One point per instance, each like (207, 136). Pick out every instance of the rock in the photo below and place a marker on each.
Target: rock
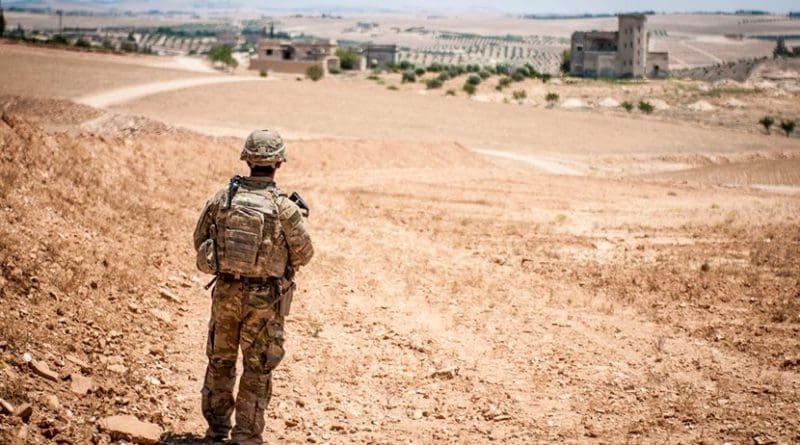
(131, 429)
(169, 295)
(733, 103)
(609, 103)
(701, 105)
(82, 364)
(24, 411)
(161, 315)
(42, 370)
(27, 357)
(81, 385)
(5, 407)
(659, 104)
(52, 402)
(572, 103)
(446, 373)
(119, 369)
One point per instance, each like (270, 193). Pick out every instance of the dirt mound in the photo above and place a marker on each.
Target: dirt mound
(93, 251)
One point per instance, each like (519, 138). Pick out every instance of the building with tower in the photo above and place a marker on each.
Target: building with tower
(617, 54)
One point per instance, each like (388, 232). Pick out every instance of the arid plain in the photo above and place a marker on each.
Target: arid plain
(486, 270)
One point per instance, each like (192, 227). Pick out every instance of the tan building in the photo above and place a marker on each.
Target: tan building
(621, 53)
(294, 56)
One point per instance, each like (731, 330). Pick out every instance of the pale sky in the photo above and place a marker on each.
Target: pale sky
(540, 7)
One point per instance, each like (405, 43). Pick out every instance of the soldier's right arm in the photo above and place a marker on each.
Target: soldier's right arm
(202, 231)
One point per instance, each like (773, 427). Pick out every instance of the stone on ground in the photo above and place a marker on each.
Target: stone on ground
(131, 429)
(572, 103)
(609, 103)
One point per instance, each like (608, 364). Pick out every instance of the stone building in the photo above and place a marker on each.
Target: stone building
(294, 56)
(373, 55)
(621, 53)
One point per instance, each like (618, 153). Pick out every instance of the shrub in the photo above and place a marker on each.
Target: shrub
(450, 92)
(373, 77)
(405, 65)
(787, 127)
(546, 77)
(222, 54)
(645, 107)
(474, 79)
(767, 122)
(391, 88)
(58, 39)
(262, 73)
(334, 70)
(348, 59)
(409, 76)
(80, 43)
(433, 83)
(419, 71)
(484, 74)
(501, 68)
(519, 94)
(627, 106)
(551, 97)
(315, 72)
(435, 67)
(565, 61)
(469, 88)
(503, 82)
(444, 76)
(491, 69)
(518, 76)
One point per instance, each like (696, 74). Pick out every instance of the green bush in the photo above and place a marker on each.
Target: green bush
(419, 71)
(373, 77)
(222, 54)
(565, 61)
(627, 106)
(409, 76)
(80, 43)
(315, 72)
(405, 65)
(501, 68)
(349, 59)
(334, 70)
(450, 92)
(435, 67)
(262, 73)
(767, 122)
(433, 83)
(551, 97)
(645, 107)
(484, 74)
(444, 76)
(519, 94)
(391, 88)
(474, 79)
(503, 82)
(546, 77)
(787, 127)
(469, 88)
(58, 39)
(518, 76)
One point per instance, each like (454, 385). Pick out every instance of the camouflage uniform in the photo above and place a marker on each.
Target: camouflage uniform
(245, 314)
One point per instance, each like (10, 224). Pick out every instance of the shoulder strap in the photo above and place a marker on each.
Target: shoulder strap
(233, 187)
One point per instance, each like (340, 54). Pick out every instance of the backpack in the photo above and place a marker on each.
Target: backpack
(249, 235)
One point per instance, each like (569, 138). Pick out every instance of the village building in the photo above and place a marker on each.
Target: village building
(378, 56)
(617, 54)
(294, 56)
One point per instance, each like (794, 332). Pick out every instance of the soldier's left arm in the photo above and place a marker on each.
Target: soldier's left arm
(300, 248)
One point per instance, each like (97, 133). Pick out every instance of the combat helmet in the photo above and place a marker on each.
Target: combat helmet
(263, 147)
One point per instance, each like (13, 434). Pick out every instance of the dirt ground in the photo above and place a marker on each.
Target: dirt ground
(650, 293)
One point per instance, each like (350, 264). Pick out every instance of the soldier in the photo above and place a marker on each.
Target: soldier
(251, 236)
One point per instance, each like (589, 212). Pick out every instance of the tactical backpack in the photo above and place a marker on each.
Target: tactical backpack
(249, 235)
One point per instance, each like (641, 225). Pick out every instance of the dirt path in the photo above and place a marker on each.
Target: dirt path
(126, 94)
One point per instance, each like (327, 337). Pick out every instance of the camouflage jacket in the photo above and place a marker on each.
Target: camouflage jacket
(298, 242)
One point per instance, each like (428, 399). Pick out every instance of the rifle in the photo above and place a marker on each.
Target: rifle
(301, 203)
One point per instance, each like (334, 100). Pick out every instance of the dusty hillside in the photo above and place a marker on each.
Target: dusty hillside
(453, 299)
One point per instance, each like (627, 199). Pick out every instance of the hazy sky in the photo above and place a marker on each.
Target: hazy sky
(536, 6)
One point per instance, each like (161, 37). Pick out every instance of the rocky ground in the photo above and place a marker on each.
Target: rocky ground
(454, 298)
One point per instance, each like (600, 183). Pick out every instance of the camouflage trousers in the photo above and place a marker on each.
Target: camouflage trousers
(242, 315)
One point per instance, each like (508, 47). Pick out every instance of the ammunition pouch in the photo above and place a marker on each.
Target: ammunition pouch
(207, 257)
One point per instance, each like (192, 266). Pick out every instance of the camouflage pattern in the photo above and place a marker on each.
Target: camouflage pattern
(264, 147)
(246, 313)
(242, 315)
